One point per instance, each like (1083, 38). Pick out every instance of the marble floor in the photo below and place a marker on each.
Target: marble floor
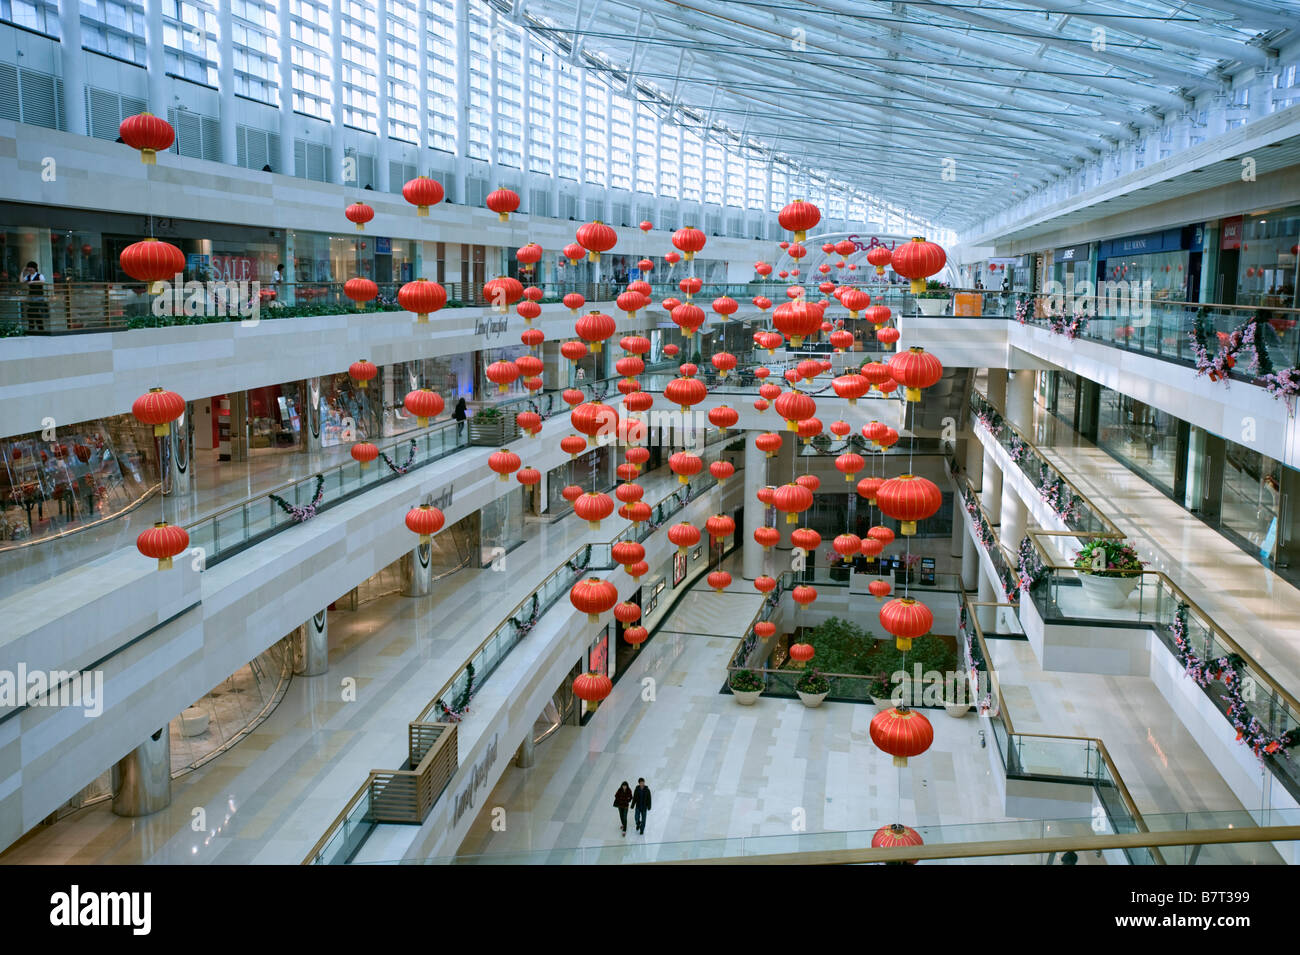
(718, 770)
(271, 796)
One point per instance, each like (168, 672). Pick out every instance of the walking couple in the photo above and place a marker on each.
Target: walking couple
(638, 799)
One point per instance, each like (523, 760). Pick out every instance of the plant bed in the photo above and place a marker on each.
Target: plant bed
(1108, 571)
(490, 428)
(812, 688)
(746, 687)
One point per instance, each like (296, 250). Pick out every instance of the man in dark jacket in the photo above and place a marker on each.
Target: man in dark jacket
(640, 804)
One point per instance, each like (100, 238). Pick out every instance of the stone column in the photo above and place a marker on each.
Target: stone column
(1019, 402)
(309, 414)
(155, 58)
(142, 779)
(313, 646)
(1015, 519)
(175, 457)
(970, 559)
(74, 75)
(755, 478)
(284, 163)
(417, 571)
(974, 461)
(226, 83)
(987, 616)
(338, 140)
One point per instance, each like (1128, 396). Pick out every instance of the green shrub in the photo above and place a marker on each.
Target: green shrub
(745, 681)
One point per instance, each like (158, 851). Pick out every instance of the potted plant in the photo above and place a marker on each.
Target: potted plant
(1108, 570)
(881, 691)
(812, 688)
(958, 703)
(934, 300)
(746, 687)
(490, 428)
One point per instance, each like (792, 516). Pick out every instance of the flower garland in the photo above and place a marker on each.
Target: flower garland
(1023, 306)
(1072, 328)
(454, 714)
(1226, 670)
(1030, 568)
(1284, 384)
(400, 468)
(307, 511)
(1058, 497)
(982, 529)
(991, 422)
(523, 629)
(1017, 448)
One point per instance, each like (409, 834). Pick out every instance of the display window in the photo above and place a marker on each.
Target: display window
(1268, 259)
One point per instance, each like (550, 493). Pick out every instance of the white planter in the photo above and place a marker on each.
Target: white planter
(884, 703)
(956, 710)
(1112, 592)
(746, 697)
(811, 700)
(931, 306)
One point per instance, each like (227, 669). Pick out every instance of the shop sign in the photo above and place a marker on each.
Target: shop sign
(598, 654)
(478, 777)
(490, 326)
(1071, 253)
(874, 242)
(443, 500)
(383, 246)
(1166, 241)
(234, 268)
(1196, 237)
(1230, 238)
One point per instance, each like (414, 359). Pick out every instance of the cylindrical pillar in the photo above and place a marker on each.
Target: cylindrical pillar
(74, 74)
(174, 454)
(417, 571)
(755, 479)
(1020, 399)
(974, 461)
(142, 779)
(970, 561)
(527, 754)
(338, 140)
(997, 387)
(991, 488)
(155, 58)
(313, 649)
(987, 616)
(284, 163)
(226, 82)
(1015, 519)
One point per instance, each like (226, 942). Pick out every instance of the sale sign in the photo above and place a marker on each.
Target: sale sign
(234, 268)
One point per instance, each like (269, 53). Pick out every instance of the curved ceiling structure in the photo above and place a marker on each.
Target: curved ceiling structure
(951, 109)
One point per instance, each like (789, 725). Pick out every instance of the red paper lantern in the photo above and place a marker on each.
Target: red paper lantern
(672, 258)
(880, 257)
(528, 365)
(421, 297)
(908, 499)
(148, 133)
(917, 260)
(888, 335)
(719, 526)
(806, 538)
(855, 300)
(158, 407)
(877, 314)
(688, 317)
(851, 386)
(571, 492)
(868, 487)
(627, 552)
(627, 612)
(425, 520)
(798, 217)
(638, 401)
(721, 470)
(422, 192)
(880, 589)
(795, 406)
(572, 396)
(593, 508)
(363, 453)
(162, 542)
(915, 369)
(502, 202)
(596, 237)
(574, 350)
(529, 422)
(719, 580)
(802, 652)
(528, 476)
(882, 534)
(684, 535)
(847, 545)
(768, 537)
(849, 464)
(361, 372)
(685, 465)
(636, 635)
(765, 628)
(646, 226)
(722, 417)
(768, 442)
(685, 392)
(792, 499)
(797, 320)
(841, 340)
(360, 213)
(501, 374)
(906, 619)
(803, 595)
(529, 254)
(152, 261)
(360, 290)
(901, 733)
(594, 328)
(573, 302)
(630, 301)
(592, 687)
(504, 463)
(689, 240)
(808, 429)
(502, 292)
(894, 835)
(765, 584)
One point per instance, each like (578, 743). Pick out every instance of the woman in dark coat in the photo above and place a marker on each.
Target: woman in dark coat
(623, 799)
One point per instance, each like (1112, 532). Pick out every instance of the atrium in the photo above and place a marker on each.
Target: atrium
(572, 432)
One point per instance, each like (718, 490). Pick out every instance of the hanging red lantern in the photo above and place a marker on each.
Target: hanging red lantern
(502, 202)
(421, 297)
(646, 226)
(425, 520)
(642, 514)
(880, 589)
(573, 350)
(915, 369)
(768, 442)
(572, 445)
(765, 628)
(877, 315)
(688, 317)
(627, 612)
(841, 340)
(855, 300)
(762, 302)
(573, 302)
(894, 835)
(795, 406)
(808, 429)
(504, 463)
(502, 292)
(684, 535)
(722, 417)
(596, 237)
(148, 133)
(361, 372)
(803, 595)
(422, 192)
(689, 240)
(908, 499)
(360, 290)
(636, 635)
(721, 470)
(627, 493)
(797, 320)
(719, 580)
(501, 374)
(880, 257)
(363, 453)
(593, 508)
(906, 619)
(725, 306)
(685, 392)
(918, 260)
(637, 456)
(528, 254)
(152, 261)
(802, 652)
(158, 407)
(528, 476)
(901, 733)
(530, 422)
(798, 217)
(528, 365)
(638, 401)
(767, 537)
(888, 336)
(851, 386)
(840, 428)
(627, 552)
(882, 534)
(591, 687)
(765, 585)
(806, 538)
(847, 545)
(849, 464)
(572, 492)
(792, 499)
(719, 526)
(672, 258)
(642, 287)
(872, 548)
(162, 542)
(685, 465)
(594, 328)
(532, 337)
(845, 247)
(630, 301)
(868, 487)
(360, 213)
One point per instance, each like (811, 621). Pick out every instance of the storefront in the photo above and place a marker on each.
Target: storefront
(1258, 259)
(1072, 265)
(1170, 260)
